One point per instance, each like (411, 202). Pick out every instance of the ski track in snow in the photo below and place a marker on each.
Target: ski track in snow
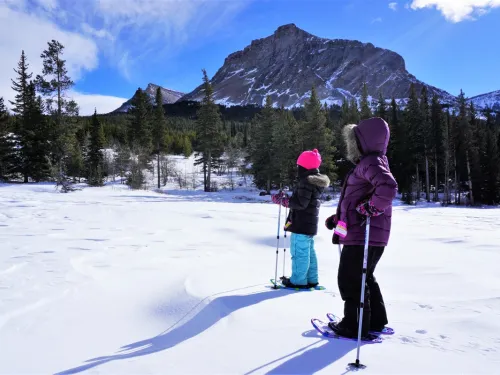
(108, 280)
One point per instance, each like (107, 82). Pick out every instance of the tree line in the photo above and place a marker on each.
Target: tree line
(436, 152)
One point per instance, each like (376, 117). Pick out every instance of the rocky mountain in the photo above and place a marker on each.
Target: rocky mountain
(491, 100)
(288, 63)
(169, 96)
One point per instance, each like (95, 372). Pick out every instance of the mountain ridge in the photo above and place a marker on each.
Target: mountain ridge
(286, 64)
(169, 97)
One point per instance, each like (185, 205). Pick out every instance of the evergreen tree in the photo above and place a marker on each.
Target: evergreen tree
(426, 137)
(53, 84)
(261, 146)
(76, 165)
(209, 131)
(399, 158)
(159, 129)
(95, 157)
(20, 85)
(315, 135)
(436, 140)
(366, 111)
(490, 160)
(477, 143)
(464, 136)
(415, 139)
(354, 115)
(31, 127)
(140, 127)
(34, 138)
(382, 107)
(281, 149)
(7, 152)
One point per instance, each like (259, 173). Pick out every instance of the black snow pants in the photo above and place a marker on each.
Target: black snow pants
(349, 280)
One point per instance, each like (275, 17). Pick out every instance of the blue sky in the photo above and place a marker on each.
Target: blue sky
(115, 46)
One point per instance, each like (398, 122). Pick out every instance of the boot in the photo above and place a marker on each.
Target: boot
(286, 282)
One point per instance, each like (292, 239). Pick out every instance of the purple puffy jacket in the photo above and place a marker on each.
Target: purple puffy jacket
(371, 178)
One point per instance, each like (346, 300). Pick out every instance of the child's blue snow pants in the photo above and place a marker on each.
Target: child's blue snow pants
(304, 261)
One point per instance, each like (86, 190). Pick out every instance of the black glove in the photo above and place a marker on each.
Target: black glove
(331, 222)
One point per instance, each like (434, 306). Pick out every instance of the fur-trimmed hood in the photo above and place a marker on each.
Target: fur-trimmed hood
(370, 136)
(319, 180)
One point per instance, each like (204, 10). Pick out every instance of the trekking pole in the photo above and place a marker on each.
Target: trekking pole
(277, 247)
(284, 242)
(340, 251)
(357, 364)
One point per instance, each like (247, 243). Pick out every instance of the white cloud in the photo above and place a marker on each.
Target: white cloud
(47, 4)
(80, 52)
(101, 33)
(393, 6)
(130, 34)
(376, 20)
(148, 30)
(102, 103)
(458, 10)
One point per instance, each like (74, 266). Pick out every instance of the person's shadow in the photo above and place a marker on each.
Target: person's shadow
(312, 358)
(209, 315)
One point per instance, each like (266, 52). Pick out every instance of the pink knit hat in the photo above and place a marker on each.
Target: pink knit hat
(309, 159)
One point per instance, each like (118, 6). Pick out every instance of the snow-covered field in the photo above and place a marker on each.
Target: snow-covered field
(113, 281)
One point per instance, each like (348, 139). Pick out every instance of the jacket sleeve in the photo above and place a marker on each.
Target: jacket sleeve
(301, 197)
(378, 174)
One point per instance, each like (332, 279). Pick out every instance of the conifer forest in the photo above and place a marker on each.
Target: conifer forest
(437, 152)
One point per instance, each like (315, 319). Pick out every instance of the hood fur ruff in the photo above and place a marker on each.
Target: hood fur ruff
(319, 180)
(353, 152)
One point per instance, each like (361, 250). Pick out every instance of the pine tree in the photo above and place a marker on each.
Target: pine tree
(53, 83)
(261, 145)
(76, 165)
(436, 140)
(382, 107)
(20, 85)
(464, 136)
(399, 158)
(95, 157)
(209, 133)
(160, 125)
(6, 146)
(426, 137)
(315, 135)
(34, 138)
(413, 124)
(354, 115)
(490, 160)
(140, 127)
(281, 149)
(366, 111)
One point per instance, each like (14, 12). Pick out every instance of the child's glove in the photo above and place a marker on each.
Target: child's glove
(366, 208)
(280, 198)
(331, 222)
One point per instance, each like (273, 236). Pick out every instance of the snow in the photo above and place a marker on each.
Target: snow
(489, 100)
(114, 281)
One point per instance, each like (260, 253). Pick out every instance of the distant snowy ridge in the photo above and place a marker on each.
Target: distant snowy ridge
(489, 100)
(169, 96)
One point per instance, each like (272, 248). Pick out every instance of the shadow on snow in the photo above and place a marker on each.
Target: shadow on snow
(209, 315)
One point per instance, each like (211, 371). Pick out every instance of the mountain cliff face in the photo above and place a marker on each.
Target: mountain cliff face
(491, 100)
(288, 63)
(169, 96)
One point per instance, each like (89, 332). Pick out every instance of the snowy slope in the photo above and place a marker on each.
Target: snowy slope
(489, 100)
(113, 281)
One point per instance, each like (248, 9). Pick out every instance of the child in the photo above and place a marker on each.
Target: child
(368, 190)
(302, 220)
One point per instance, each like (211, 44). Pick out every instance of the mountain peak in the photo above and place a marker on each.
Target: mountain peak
(169, 96)
(288, 63)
